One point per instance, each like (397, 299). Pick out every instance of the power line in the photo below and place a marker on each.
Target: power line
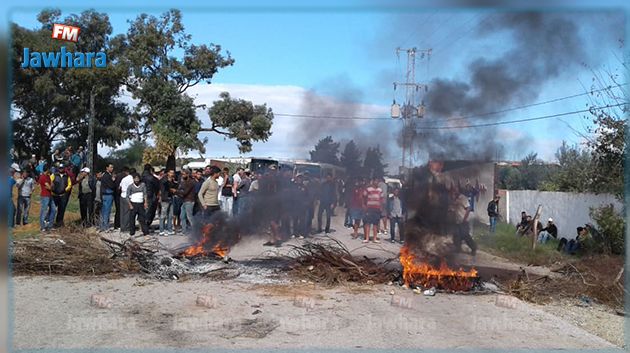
(480, 115)
(519, 120)
(460, 118)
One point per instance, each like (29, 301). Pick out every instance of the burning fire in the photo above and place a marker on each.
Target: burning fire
(200, 247)
(425, 275)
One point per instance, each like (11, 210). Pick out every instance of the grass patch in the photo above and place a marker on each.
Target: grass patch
(32, 228)
(506, 243)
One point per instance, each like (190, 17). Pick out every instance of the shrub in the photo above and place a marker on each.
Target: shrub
(609, 233)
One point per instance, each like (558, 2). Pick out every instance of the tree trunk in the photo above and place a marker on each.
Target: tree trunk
(170, 162)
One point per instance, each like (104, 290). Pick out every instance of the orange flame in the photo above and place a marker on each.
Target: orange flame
(199, 248)
(425, 275)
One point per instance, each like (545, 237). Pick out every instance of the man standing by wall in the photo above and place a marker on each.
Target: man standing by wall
(493, 213)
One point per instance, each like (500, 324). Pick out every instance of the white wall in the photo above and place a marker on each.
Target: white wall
(568, 210)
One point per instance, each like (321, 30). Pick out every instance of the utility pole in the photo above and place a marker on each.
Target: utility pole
(90, 143)
(411, 107)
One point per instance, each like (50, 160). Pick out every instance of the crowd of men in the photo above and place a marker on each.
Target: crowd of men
(292, 206)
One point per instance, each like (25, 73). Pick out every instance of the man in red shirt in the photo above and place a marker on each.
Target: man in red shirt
(47, 210)
(355, 206)
(373, 206)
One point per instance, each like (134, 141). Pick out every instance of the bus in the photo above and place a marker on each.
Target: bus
(261, 165)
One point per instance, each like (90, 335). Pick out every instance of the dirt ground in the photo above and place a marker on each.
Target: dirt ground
(56, 313)
(253, 311)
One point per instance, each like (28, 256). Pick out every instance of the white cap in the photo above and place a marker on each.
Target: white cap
(550, 220)
(86, 170)
(15, 167)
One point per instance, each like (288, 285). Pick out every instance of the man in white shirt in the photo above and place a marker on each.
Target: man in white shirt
(236, 183)
(124, 202)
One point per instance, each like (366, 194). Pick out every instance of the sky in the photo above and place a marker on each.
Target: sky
(342, 63)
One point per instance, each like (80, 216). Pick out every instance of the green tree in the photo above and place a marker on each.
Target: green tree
(533, 172)
(608, 149)
(510, 178)
(326, 151)
(575, 169)
(240, 120)
(53, 104)
(351, 159)
(164, 65)
(130, 156)
(373, 163)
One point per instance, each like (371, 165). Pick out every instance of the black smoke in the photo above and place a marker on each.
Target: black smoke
(543, 47)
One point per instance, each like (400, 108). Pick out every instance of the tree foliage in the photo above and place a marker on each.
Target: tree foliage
(159, 78)
(373, 165)
(240, 120)
(130, 156)
(326, 151)
(575, 169)
(351, 159)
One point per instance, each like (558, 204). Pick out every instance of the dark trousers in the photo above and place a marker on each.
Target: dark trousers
(462, 233)
(393, 222)
(96, 213)
(137, 210)
(210, 210)
(60, 202)
(23, 206)
(11, 214)
(151, 210)
(86, 206)
(569, 246)
(324, 207)
(347, 220)
(124, 214)
(235, 206)
(117, 212)
(308, 221)
(299, 226)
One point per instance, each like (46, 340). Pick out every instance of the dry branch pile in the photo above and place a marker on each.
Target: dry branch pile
(76, 252)
(579, 279)
(329, 262)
